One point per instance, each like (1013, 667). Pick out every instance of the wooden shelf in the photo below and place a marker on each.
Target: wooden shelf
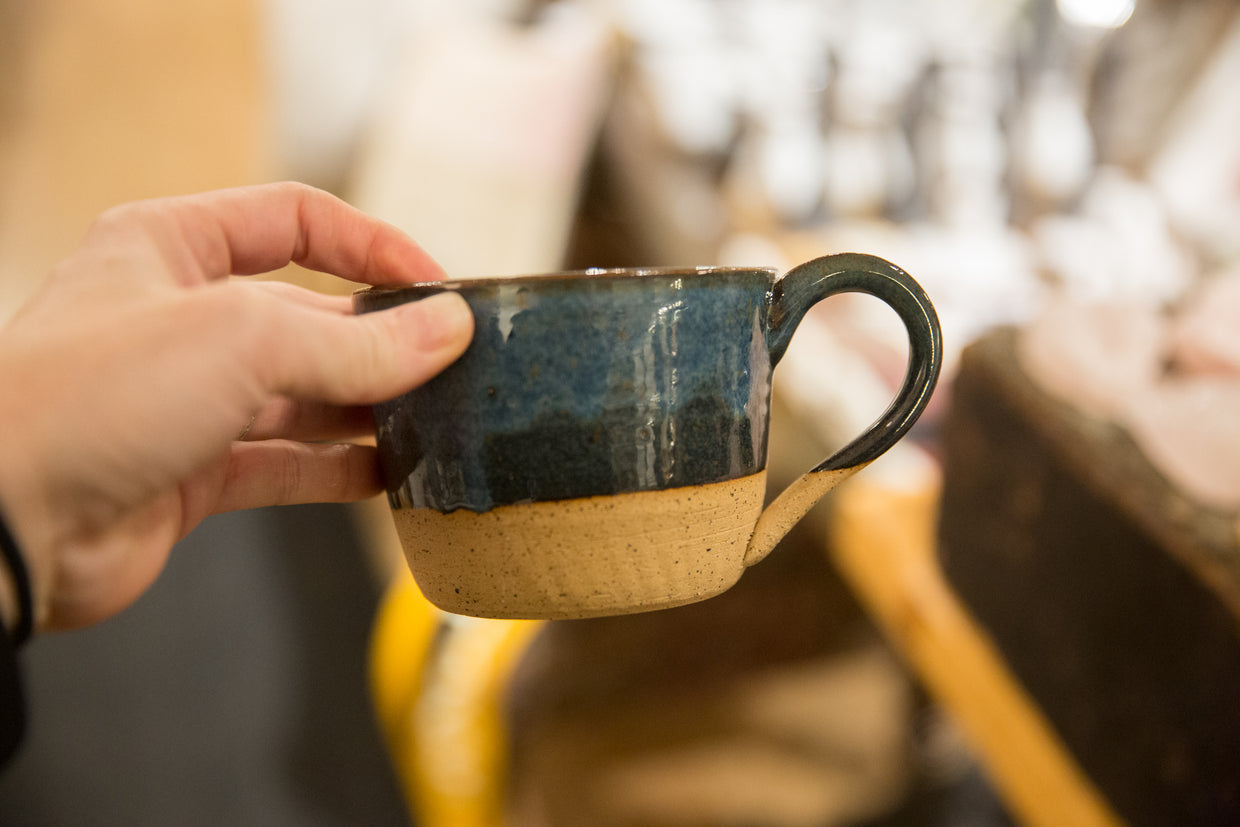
(882, 541)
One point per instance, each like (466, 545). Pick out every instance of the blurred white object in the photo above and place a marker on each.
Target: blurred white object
(673, 24)
(686, 70)
(779, 52)
(829, 384)
(979, 277)
(962, 148)
(1205, 337)
(672, 200)
(906, 467)
(1053, 143)
(329, 61)
(694, 96)
(1197, 172)
(869, 163)
(1095, 356)
(480, 145)
(791, 169)
(1190, 430)
(1102, 14)
(865, 170)
(751, 250)
(1119, 245)
(1108, 361)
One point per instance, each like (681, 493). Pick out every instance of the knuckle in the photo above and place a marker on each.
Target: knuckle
(380, 350)
(236, 313)
(361, 471)
(287, 475)
(236, 323)
(119, 216)
(302, 197)
(364, 368)
(125, 220)
(296, 189)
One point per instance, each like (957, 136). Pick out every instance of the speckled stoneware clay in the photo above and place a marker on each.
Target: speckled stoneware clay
(601, 446)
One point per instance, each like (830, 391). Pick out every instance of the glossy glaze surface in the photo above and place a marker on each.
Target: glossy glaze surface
(603, 384)
(611, 381)
(600, 447)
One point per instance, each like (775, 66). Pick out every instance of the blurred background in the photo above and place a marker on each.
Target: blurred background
(1015, 156)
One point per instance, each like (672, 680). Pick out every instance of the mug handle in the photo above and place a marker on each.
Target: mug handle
(793, 295)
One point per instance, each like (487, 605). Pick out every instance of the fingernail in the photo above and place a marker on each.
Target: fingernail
(444, 320)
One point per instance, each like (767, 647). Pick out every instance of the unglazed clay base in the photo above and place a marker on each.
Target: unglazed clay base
(584, 557)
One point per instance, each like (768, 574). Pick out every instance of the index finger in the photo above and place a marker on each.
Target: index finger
(257, 229)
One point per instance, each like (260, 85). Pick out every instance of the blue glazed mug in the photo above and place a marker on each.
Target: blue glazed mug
(600, 448)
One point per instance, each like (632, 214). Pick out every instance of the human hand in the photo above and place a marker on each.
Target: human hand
(130, 375)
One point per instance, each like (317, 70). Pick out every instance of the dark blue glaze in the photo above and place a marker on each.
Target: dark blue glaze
(599, 385)
(616, 381)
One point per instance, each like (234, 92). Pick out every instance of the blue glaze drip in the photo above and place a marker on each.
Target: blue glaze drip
(613, 384)
(608, 382)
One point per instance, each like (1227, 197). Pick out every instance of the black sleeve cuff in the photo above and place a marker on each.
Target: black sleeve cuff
(12, 701)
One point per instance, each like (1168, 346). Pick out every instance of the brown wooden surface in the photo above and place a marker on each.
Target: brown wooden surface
(883, 543)
(1112, 595)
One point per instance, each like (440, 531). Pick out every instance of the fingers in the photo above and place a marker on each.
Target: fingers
(280, 472)
(359, 360)
(308, 421)
(257, 229)
(299, 295)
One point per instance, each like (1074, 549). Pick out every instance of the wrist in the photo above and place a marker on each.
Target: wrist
(8, 601)
(22, 532)
(23, 517)
(18, 596)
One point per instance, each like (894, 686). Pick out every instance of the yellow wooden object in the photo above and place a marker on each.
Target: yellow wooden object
(438, 685)
(882, 541)
(400, 643)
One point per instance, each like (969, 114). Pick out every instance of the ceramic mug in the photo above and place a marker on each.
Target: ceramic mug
(600, 448)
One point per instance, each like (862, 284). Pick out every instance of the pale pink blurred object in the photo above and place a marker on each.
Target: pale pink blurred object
(1205, 335)
(1172, 381)
(1190, 430)
(1095, 357)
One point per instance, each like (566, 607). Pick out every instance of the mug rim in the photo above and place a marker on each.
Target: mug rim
(565, 275)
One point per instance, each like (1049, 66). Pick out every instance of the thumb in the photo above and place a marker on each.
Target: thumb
(358, 360)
